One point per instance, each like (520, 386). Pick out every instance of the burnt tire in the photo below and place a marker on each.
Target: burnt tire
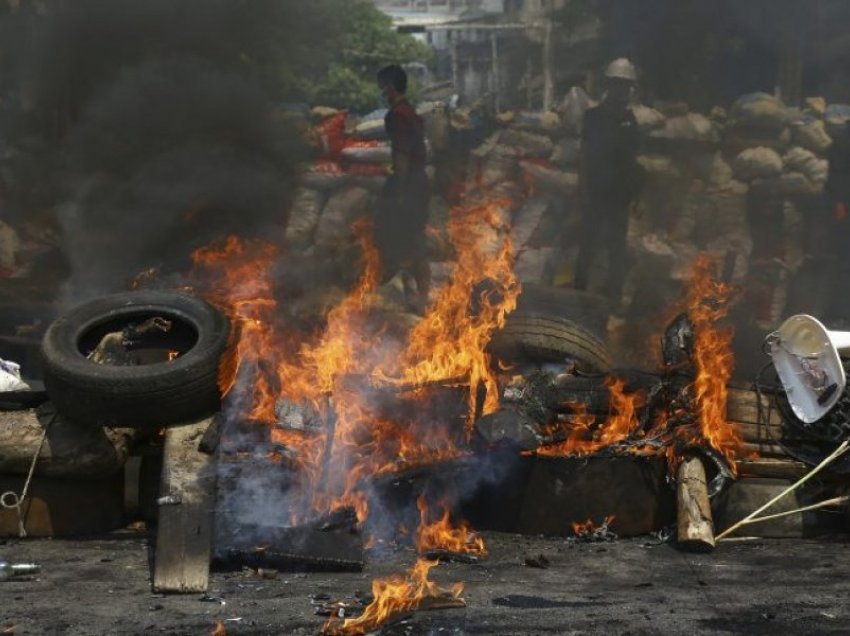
(583, 308)
(145, 395)
(538, 338)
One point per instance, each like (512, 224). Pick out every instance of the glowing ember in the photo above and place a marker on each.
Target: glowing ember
(587, 529)
(441, 535)
(586, 437)
(396, 595)
(708, 302)
(219, 630)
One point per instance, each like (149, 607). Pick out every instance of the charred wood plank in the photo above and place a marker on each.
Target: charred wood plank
(187, 496)
(328, 544)
(774, 468)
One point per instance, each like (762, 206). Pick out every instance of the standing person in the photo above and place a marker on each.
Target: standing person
(609, 177)
(403, 207)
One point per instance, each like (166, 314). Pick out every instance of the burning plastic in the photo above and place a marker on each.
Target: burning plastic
(806, 357)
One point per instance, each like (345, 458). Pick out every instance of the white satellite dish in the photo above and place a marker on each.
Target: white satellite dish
(806, 357)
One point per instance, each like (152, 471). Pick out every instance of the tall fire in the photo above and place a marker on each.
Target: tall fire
(344, 370)
(698, 419)
(708, 304)
(372, 389)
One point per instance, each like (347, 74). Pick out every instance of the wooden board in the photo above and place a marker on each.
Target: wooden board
(562, 490)
(186, 507)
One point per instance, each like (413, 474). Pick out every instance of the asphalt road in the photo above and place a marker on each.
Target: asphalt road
(635, 586)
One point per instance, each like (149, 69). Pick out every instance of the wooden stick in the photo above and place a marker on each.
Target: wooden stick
(694, 521)
(838, 452)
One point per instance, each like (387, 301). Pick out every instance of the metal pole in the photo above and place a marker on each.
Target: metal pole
(497, 84)
(548, 84)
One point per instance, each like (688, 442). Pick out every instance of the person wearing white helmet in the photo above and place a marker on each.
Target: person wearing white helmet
(610, 180)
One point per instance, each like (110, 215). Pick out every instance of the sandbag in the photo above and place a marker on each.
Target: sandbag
(572, 109)
(690, 127)
(325, 176)
(371, 126)
(737, 138)
(660, 167)
(381, 153)
(547, 178)
(760, 110)
(787, 185)
(534, 265)
(836, 118)
(496, 168)
(304, 216)
(807, 163)
(712, 169)
(810, 133)
(648, 119)
(546, 122)
(341, 210)
(566, 152)
(526, 144)
(816, 104)
(526, 220)
(757, 163)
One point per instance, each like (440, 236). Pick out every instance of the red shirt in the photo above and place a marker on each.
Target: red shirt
(407, 134)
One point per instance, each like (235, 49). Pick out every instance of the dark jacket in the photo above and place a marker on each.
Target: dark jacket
(609, 154)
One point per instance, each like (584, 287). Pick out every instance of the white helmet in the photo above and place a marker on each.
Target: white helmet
(621, 68)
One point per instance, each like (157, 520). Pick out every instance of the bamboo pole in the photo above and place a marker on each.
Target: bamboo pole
(838, 452)
(835, 501)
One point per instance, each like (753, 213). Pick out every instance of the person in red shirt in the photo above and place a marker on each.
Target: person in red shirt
(403, 207)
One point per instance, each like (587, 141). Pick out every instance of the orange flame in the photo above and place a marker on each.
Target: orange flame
(441, 535)
(585, 438)
(587, 528)
(336, 370)
(452, 338)
(219, 629)
(235, 276)
(392, 596)
(708, 302)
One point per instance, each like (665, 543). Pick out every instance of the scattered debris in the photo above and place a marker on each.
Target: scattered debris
(539, 561)
(116, 347)
(589, 532)
(10, 570)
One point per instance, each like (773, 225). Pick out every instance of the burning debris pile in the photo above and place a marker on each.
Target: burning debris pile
(318, 406)
(641, 413)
